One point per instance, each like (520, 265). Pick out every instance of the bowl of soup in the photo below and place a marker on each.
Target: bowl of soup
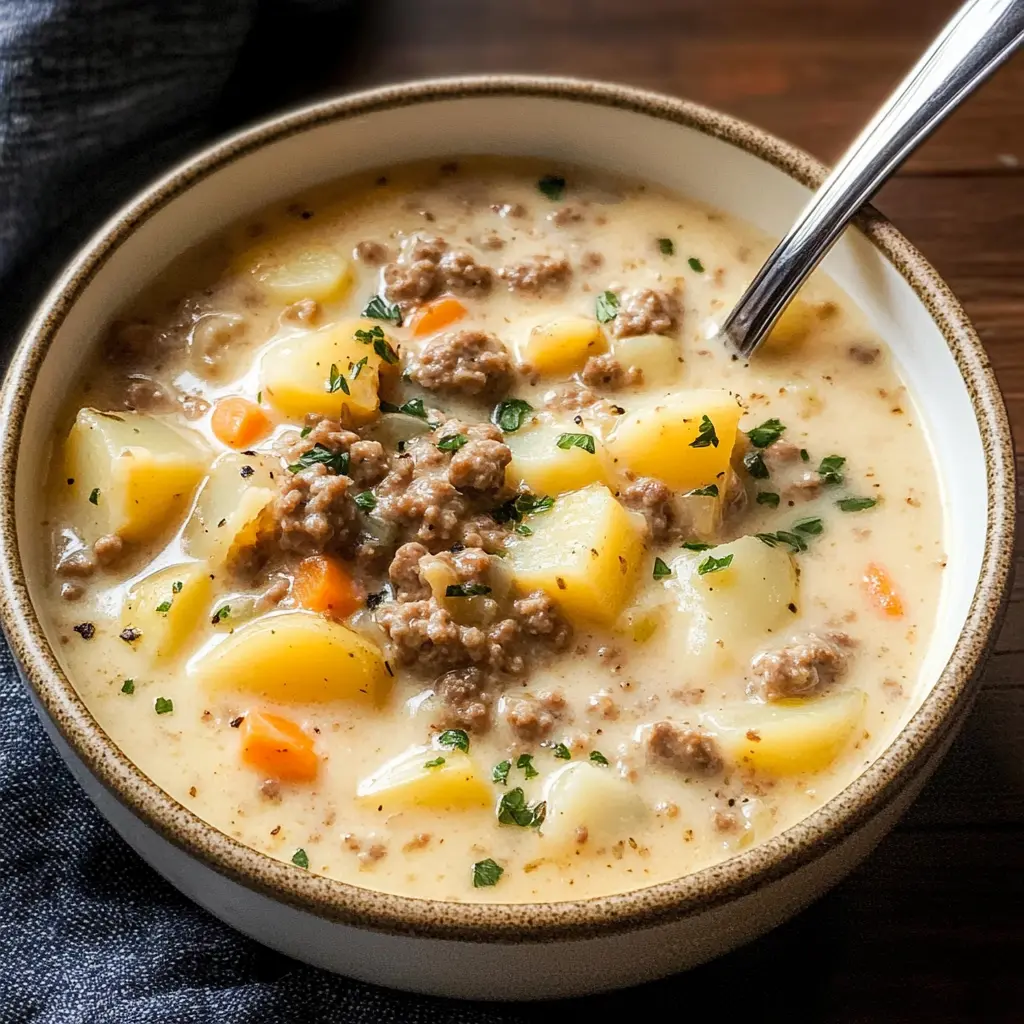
(412, 575)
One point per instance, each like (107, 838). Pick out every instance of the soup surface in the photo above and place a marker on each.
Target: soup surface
(419, 532)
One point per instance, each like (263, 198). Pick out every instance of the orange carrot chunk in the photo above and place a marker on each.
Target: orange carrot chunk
(239, 423)
(278, 748)
(882, 591)
(437, 315)
(323, 584)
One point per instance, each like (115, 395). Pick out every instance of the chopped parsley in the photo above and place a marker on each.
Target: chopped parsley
(562, 752)
(375, 333)
(661, 570)
(300, 858)
(486, 872)
(259, 397)
(552, 186)
(378, 308)
(706, 436)
(523, 530)
(513, 810)
(435, 763)
(455, 739)
(598, 758)
(176, 587)
(452, 443)
(305, 431)
(128, 686)
(164, 607)
(805, 455)
(94, 497)
(366, 500)
(607, 307)
(499, 773)
(512, 511)
(712, 564)
(336, 461)
(768, 433)
(755, 465)
(221, 614)
(830, 469)
(769, 498)
(163, 705)
(357, 368)
(336, 381)
(667, 246)
(696, 545)
(711, 491)
(812, 527)
(510, 414)
(855, 504)
(584, 441)
(525, 761)
(696, 265)
(466, 590)
(386, 352)
(792, 540)
(414, 407)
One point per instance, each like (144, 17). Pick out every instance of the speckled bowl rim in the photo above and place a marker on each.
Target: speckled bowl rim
(691, 894)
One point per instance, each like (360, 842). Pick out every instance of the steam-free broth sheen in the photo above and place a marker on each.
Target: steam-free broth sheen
(419, 531)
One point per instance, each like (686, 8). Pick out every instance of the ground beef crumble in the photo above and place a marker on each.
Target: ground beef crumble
(656, 501)
(531, 718)
(537, 275)
(468, 362)
(646, 311)
(684, 749)
(605, 371)
(801, 667)
(428, 268)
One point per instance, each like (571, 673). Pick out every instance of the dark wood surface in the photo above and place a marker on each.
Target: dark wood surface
(931, 928)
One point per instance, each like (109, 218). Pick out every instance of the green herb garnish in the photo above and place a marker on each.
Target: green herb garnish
(163, 706)
(712, 564)
(164, 607)
(452, 443)
(661, 570)
(856, 504)
(221, 614)
(368, 337)
(792, 540)
(805, 455)
(755, 466)
(435, 763)
(584, 441)
(128, 686)
(499, 773)
(562, 752)
(305, 431)
(711, 491)
(667, 246)
(830, 469)
(94, 497)
(525, 761)
(512, 511)
(357, 368)
(466, 590)
(455, 739)
(513, 810)
(366, 500)
(300, 858)
(176, 587)
(414, 407)
(598, 758)
(696, 545)
(336, 461)
(552, 186)
(706, 435)
(378, 308)
(336, 382)
(607, 307)
(485, 873)
(812, 527)
(509, 415)
(695, 264)
(769, 498)
(768, 433)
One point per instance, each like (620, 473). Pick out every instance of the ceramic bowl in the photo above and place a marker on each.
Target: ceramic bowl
(571, 947)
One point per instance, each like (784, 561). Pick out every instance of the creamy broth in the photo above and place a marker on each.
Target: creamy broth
(681, 676)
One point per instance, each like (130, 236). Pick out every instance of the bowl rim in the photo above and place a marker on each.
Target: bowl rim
(824, 828)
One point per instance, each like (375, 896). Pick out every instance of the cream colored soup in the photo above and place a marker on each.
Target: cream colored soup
(659, 613)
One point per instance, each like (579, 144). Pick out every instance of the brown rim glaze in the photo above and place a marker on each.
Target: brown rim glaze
(809, 839)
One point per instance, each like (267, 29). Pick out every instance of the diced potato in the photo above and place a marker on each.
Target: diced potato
(586, 795)
(658, 355)
(538, 462)
(311, 272)
(227, 511)
(658, 441)
(167, 607)
(133, 474)
(733, 609)
(296, 657)
(793, 737)
(586, 553)
(295, 373)
(562, 346)
(406, 781)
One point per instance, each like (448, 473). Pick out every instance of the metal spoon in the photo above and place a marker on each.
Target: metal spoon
(980, 36)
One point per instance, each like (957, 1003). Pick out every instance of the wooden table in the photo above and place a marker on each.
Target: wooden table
(931, 928)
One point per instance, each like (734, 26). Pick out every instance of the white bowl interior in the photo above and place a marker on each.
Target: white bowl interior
(678, 158)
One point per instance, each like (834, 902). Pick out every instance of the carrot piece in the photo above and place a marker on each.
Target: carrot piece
(436, 315)
(278, 747)
(239, 423)
(882, 591)
(323, 584)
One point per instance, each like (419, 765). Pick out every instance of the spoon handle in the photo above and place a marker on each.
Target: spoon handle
(980, 36)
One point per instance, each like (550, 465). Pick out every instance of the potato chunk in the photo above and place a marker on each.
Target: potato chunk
(562, 346)
(538, 462)
(659, 441)
(295, 656)
(732, 609)
(657, 355)
(406, 781)
(227, 511)
(133, 474)
(793, 737)
(295, 372)
(166, 607)
(310, 272)
(591, 802)
(586, 553)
